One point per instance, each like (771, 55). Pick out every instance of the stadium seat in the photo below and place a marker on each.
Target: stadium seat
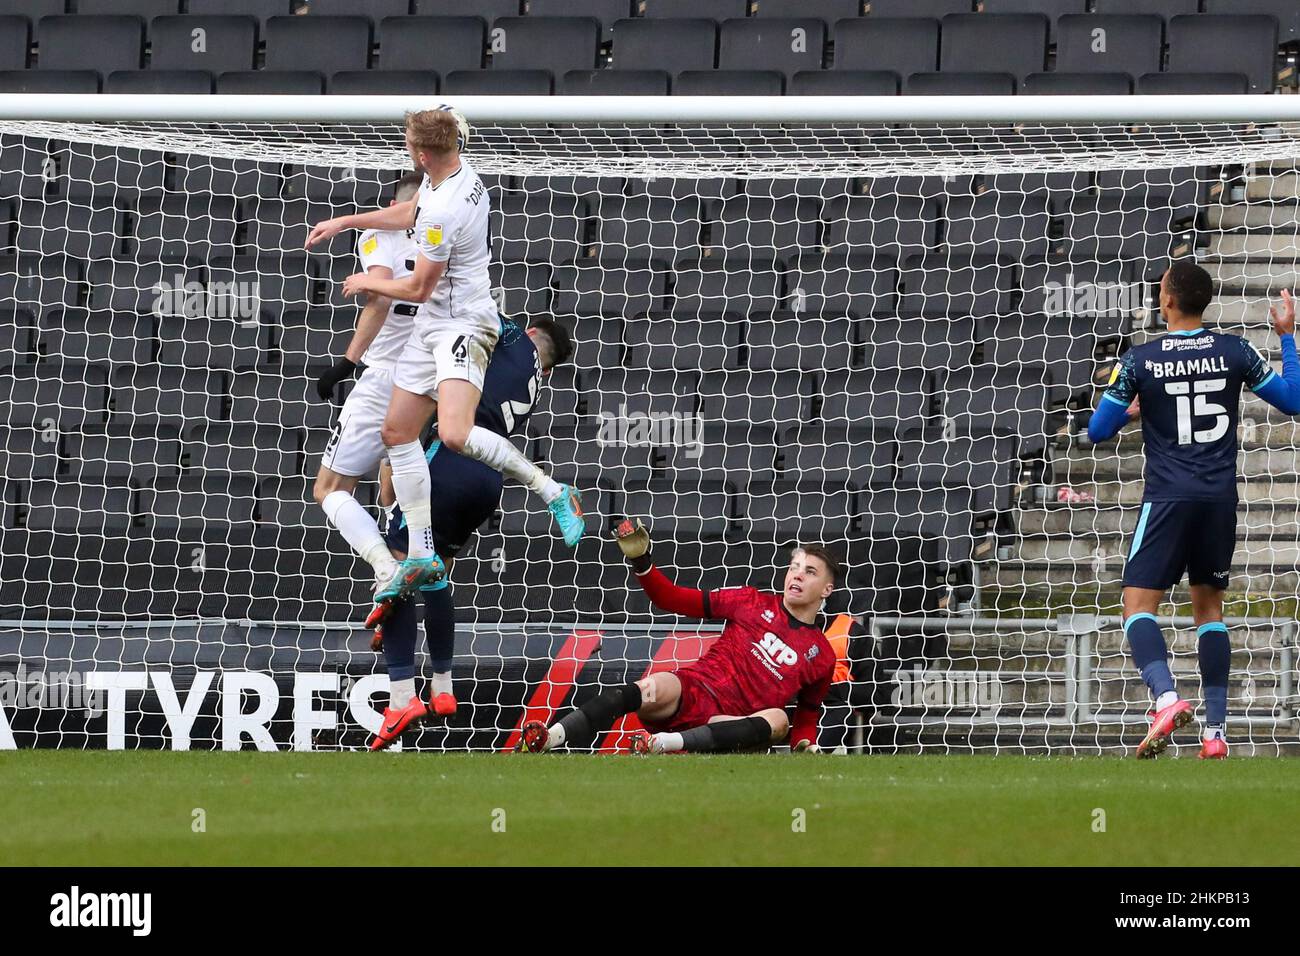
(889, 225)
(271, 83)
(539, 228)
(280, 226)
(71, 507)
(383, 82)
(18, 336)
(941, 285)
(892, 400)
(102, 43)
(88, 170)
(1066, 346)
(99, 338)
(587, 457)
(648, 227)
(1014, 43)
(27, 453)
(301, 578)
(166, 395)
(934, 9)
(1193, 84)
(1286, 12)
(764, 227)
(1109, 44)
(728, 83)
(489, 10)
(904, 46)
(732, 283)
(554, 44)
(434, 44)
(985, 465)
(618, 287)
(605, 12)
(1160, 8)
(686, 340)
(788, 512)
(304, 43)
(810, 343)
(718, 10)
(182, 82)
(195, 174)
(498, 82)
(664, 506)
(269, 398)
(376, 10)
(216, 44)
(1055, 190)
(826, 287)
(260, 10)
(77, 229)
(224, 344)
(1226, 44)
(1053, 9)
(774, 399)
(931, 343)
(33, 284)
(15, 42)
(78, 394)
(1110, 230)
(998, 224)
(317, 337)
(23, 169)
(986, 399)
(960, 84)
(1179, 187)
(671, 45)
(615, 83)
(854, 457)
(117, 455)
(1107, 294)
(222, 448)
(185, 229)
(363, 187)
(784, 45)
(49, 81)
(150, 288)
(34, 10)
(844, 83)
(1077, 84)
(723, 452)
(210, 507)
(521, 288)
(829, 12)
(942, 517)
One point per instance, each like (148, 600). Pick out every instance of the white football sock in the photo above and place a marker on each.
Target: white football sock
(666, 743)
(400, 693)
(441, 683)
(1213, 732)
(554, 736)
(358, 529)
(413, 489)
(500, 455)
(1167, 699)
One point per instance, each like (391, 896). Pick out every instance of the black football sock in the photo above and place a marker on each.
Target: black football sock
(725, 735)
(584, 725)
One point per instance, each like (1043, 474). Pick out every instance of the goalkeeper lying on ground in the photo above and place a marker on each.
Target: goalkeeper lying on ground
(734, 697)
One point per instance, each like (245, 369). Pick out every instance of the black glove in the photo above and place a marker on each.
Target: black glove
(342, 369)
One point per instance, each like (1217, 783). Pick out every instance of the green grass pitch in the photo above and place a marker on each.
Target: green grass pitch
(133, 808)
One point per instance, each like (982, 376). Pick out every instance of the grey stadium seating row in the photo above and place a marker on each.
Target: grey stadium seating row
(649, 47)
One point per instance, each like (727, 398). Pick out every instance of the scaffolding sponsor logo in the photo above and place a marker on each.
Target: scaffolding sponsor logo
(235, 299)
(976, 690)
(1093, 299)
(624, 429)
(77, 909)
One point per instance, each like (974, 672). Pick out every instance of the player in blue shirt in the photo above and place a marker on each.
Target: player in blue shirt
(1187, 385)
(467, 492)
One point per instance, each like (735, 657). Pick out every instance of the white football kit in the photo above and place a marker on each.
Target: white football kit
(355, 448)
(456, 329)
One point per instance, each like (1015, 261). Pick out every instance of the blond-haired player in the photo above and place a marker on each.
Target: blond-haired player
(455, 332)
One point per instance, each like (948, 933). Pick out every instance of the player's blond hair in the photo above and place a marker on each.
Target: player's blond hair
(433, 131)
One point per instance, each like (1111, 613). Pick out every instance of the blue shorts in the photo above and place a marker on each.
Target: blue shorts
(465, 494)
(1173, 537)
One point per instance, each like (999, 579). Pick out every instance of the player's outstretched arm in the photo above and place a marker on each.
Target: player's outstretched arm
(369, 323)
(808, 708)
(417, 287)
(399, 215)
(634, 541)
(1113, 411)
(1283, 392)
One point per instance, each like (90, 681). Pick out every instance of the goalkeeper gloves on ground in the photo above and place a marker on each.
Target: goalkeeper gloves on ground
(634, 541)
(326, 384)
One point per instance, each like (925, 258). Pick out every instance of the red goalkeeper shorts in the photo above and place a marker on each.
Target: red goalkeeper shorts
(696, 707)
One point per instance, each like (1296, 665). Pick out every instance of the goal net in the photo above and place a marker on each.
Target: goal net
(884, 336)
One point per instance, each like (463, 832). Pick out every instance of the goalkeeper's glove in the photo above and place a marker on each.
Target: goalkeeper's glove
(634, 541)
(326, 384)
(806, 747)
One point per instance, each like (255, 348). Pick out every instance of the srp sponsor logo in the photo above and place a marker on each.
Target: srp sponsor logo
(775, 653)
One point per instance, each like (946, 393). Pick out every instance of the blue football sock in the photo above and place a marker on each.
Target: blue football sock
(1215, 653)
(1150, 653)
(440, 627)
(399, 641)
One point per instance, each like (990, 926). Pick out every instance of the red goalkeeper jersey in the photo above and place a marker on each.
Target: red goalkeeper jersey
(764, 658)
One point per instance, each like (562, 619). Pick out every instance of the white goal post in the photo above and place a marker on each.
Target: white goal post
(875, 322)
